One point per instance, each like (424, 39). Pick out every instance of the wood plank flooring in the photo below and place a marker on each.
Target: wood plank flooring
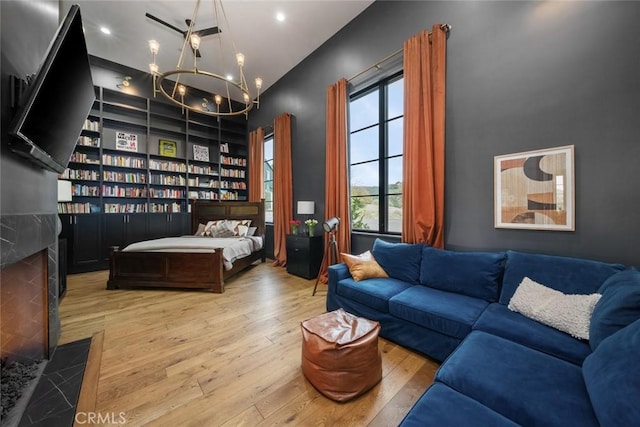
(193, 358)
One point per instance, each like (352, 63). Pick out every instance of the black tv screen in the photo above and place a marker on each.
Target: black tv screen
(57, 101)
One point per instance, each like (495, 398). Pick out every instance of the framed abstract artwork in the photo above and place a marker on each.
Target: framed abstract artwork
(535, 190)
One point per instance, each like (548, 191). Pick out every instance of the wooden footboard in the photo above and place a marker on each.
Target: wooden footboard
(166, 270)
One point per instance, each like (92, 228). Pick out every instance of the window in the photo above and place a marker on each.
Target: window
(268, 179)
(375, 149)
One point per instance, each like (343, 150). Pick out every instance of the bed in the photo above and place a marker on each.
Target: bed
(188, 267)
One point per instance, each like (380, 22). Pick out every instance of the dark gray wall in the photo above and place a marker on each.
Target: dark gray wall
(520, 76)
(24, 188)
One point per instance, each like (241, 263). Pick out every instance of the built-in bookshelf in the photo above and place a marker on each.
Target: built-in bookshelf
(137, 155)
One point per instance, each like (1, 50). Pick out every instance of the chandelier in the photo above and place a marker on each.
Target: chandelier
(175, 91)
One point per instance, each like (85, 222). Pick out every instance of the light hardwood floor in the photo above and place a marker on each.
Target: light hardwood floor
(193, 358)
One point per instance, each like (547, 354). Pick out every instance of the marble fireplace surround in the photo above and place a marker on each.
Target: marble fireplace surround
(22, 238)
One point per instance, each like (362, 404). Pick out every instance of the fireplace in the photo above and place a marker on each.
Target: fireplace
(30, 324)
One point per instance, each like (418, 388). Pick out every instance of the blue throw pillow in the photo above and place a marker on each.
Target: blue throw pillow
(612, 378)
(399, 260)
(564, 274)
(475, 274)
(618, 307)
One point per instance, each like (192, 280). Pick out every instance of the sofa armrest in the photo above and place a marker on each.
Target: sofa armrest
(337, 272)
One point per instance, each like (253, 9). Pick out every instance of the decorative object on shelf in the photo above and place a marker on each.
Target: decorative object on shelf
(127, 142)
(200, 153)
(534, 190)
(219, 81)
(311, 225)
(295, 224)
(64, 195)
(168, 148)
(330, 226)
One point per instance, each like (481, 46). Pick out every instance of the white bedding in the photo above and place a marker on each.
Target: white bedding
(233, 248)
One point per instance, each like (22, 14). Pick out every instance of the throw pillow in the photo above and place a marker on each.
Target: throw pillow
(221, 232)
(363, 266)
(252, 231)
(200, 231)
(210, 225)
(567, 313)
(399, 260)
(618, 307)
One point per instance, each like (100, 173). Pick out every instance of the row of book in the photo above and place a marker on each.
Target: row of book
(80, 174)
(203, 170)
(203, 195)
(126, 177)
(168, 180)
(85, 190)
(233, 185)
(89, 141)
(73, 208)
(166, 207)
(125, 207)
(167, 166)
(233, 161)
(84, 158)
(91, 125)
(165, 193)
(116, 191)
(123, 161)
(229, 195)
(232, 173)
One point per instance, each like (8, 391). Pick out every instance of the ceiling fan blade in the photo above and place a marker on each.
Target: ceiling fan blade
(207, 31)
(166, 24)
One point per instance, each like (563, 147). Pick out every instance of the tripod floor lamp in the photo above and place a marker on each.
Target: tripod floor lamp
(331, 251)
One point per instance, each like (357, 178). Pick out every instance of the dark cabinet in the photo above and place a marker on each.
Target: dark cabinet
(168, 225)
(82, 233)
(122, 230)
(304, 255)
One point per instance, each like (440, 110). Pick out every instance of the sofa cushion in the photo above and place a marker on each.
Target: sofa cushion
(499, 320)
(475, 274)
(442, 406)
(567, 313)
(568, 275)
(525, 385)
(612, 378)
(400, 260)
(444, 312)
(374, 293)
(618, 307)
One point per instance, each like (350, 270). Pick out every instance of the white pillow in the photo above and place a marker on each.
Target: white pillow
(567, 313)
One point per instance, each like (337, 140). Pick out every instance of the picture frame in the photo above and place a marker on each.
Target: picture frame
(167, 148)
(535, 190)
(200, 153)
(126, 141)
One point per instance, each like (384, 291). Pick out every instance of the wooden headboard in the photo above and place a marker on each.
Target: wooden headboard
(203, 211)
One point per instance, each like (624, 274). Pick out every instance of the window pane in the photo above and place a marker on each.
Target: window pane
(268, 171)
(365, 213)
(268, 201)
(395, 99)
(365, 176)
(363, 111)
(395, 132)
(268, 149)
(394, 175)
(394, 213)
(364, 145)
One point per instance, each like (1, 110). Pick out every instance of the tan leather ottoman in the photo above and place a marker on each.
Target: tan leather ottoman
(340, 355)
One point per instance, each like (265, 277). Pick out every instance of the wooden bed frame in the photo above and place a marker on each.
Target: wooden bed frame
(187, 270)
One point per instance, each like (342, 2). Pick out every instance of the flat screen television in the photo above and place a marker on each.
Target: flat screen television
(57, 101)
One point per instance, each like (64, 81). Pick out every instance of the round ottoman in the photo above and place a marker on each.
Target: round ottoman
(340, 355)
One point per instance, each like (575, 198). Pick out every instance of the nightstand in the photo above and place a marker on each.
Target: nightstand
(304, 255)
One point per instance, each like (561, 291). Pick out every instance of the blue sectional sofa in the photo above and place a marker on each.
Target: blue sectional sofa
(500, 367)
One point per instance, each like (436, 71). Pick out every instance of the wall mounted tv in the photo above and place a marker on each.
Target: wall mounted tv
(57, 101)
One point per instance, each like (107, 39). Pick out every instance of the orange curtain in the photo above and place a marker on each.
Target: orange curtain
(256, 165)
(282, 187)
(336, 197)
(424, 143)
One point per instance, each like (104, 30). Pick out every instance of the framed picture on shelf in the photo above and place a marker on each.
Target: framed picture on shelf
(200, 153)
(127, 142)
(167, 148)
(535, 190)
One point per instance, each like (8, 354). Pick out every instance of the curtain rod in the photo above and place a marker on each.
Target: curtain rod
(444, 27)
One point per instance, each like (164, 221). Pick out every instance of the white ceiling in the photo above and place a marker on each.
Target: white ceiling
(271, 48)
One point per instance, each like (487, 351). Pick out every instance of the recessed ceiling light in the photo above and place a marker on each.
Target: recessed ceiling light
(280, 16)
(105, 30)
